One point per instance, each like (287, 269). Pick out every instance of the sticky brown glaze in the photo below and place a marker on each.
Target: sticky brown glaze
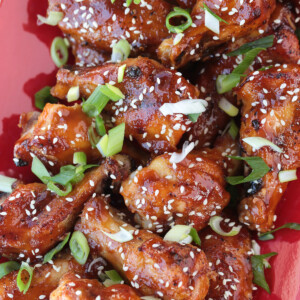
(186, 3)
(189, 192)
(45, 278)
(99, 24)
(147, 85)
(33, 219)
(58, 133)
(270, 110)
(230, 259)
(71, 287)
(153, 266)
(198, 40)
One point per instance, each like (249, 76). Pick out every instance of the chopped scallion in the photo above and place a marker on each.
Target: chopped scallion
(79, 158)
(100, 126)
(233, 129)
(39, 170)
(287, 175)
(54, 17)
(122, 236)
(6, 183)
(79, 247)
(59, 52)
(179, 12)
(23, 287)
(269, 235)
(183, 234)
(120, 51)
(7, 267)
(113, 93)
(114, 278)
(73, 94)
(229, 108)
(121, 72)
(215, 222)
(257, 142)
(42, 97)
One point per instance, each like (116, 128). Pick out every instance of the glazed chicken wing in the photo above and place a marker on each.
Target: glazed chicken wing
(33, 219)
(147, 85)
(153, 266)
(230, 259)
(71, 287)
(55, 136)
(270, 110)
(99, 24)
(243, 17)
(164, 194)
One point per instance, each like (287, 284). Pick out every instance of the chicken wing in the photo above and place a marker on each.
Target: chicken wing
(71, 287)
(243, 17)
(33, 219)
(270, 110)
(99, 24)
(153, 266)
(229, 257)
(55, 136)
(45, 278)
(147, 85)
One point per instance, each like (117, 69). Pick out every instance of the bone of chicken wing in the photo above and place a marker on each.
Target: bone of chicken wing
(153, 266)
(270, 110)
(99, 24)
(33, 219)
(45, 278)
(71, 287)
(243, 17)
(230, 259)
(55, 136)
(147, 85)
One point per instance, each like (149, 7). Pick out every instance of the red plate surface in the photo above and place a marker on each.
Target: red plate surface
(26, 67)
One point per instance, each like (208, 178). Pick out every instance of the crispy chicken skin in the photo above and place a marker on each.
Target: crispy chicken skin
(99, 24)
(198, 40)
(71, 287)
(58, 133)
(33, 219)
(270, 110)
(188, 193)
(153, 266)
(45, 279)
(230, 259)
(147, 85)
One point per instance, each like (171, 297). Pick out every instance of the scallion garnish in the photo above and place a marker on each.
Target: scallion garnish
(113, 93)
(121, 72)
(112, 143)
(6, 183)
(23, 287)
(79, 158)
(59, 52)
(57, 249)
(229, 108)
(259, 170)
(258, 263)
(257, 142)
(120, 51)
(183, 234)
(233, 129)
(39, 170)
(100, 126)
(214, 223)
(94, 140)
(54, 17)
(7, 267)
(212, 21)
(194, 117)
(121, 236)
(287, 175)
(60, 192)
(269, 235)
(113, 278)
(79, 247)
(179, 12)
(42, 97)
(73, 94)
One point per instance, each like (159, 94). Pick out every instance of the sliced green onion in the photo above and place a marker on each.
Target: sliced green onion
(100, 127)
(59, 52)
(269, 236)
(194, 117)
(259, 142)
(111, 92)
(79, 247)
(6, 183)
(287, 175)
(112, 143)
(177, 38)
(212, 21)
(229, 108)
(23, 287)
(121, 72)
(214, 223)
(54, 17)
(120, 51)
(57, 249)
(206, 8)
(94, 140)
(264, 42)
(7, 267)
(39, 170)
(73, 94)
(183, 234)
(258, 266)
(233, 130)
(179, 157)
(114, 278)
(225, 83)
(149, 298)
(259, 170)
(94, 105)
(62, 193)
(179, 12)
(42, 97)
(79, 158)
(122, 236)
